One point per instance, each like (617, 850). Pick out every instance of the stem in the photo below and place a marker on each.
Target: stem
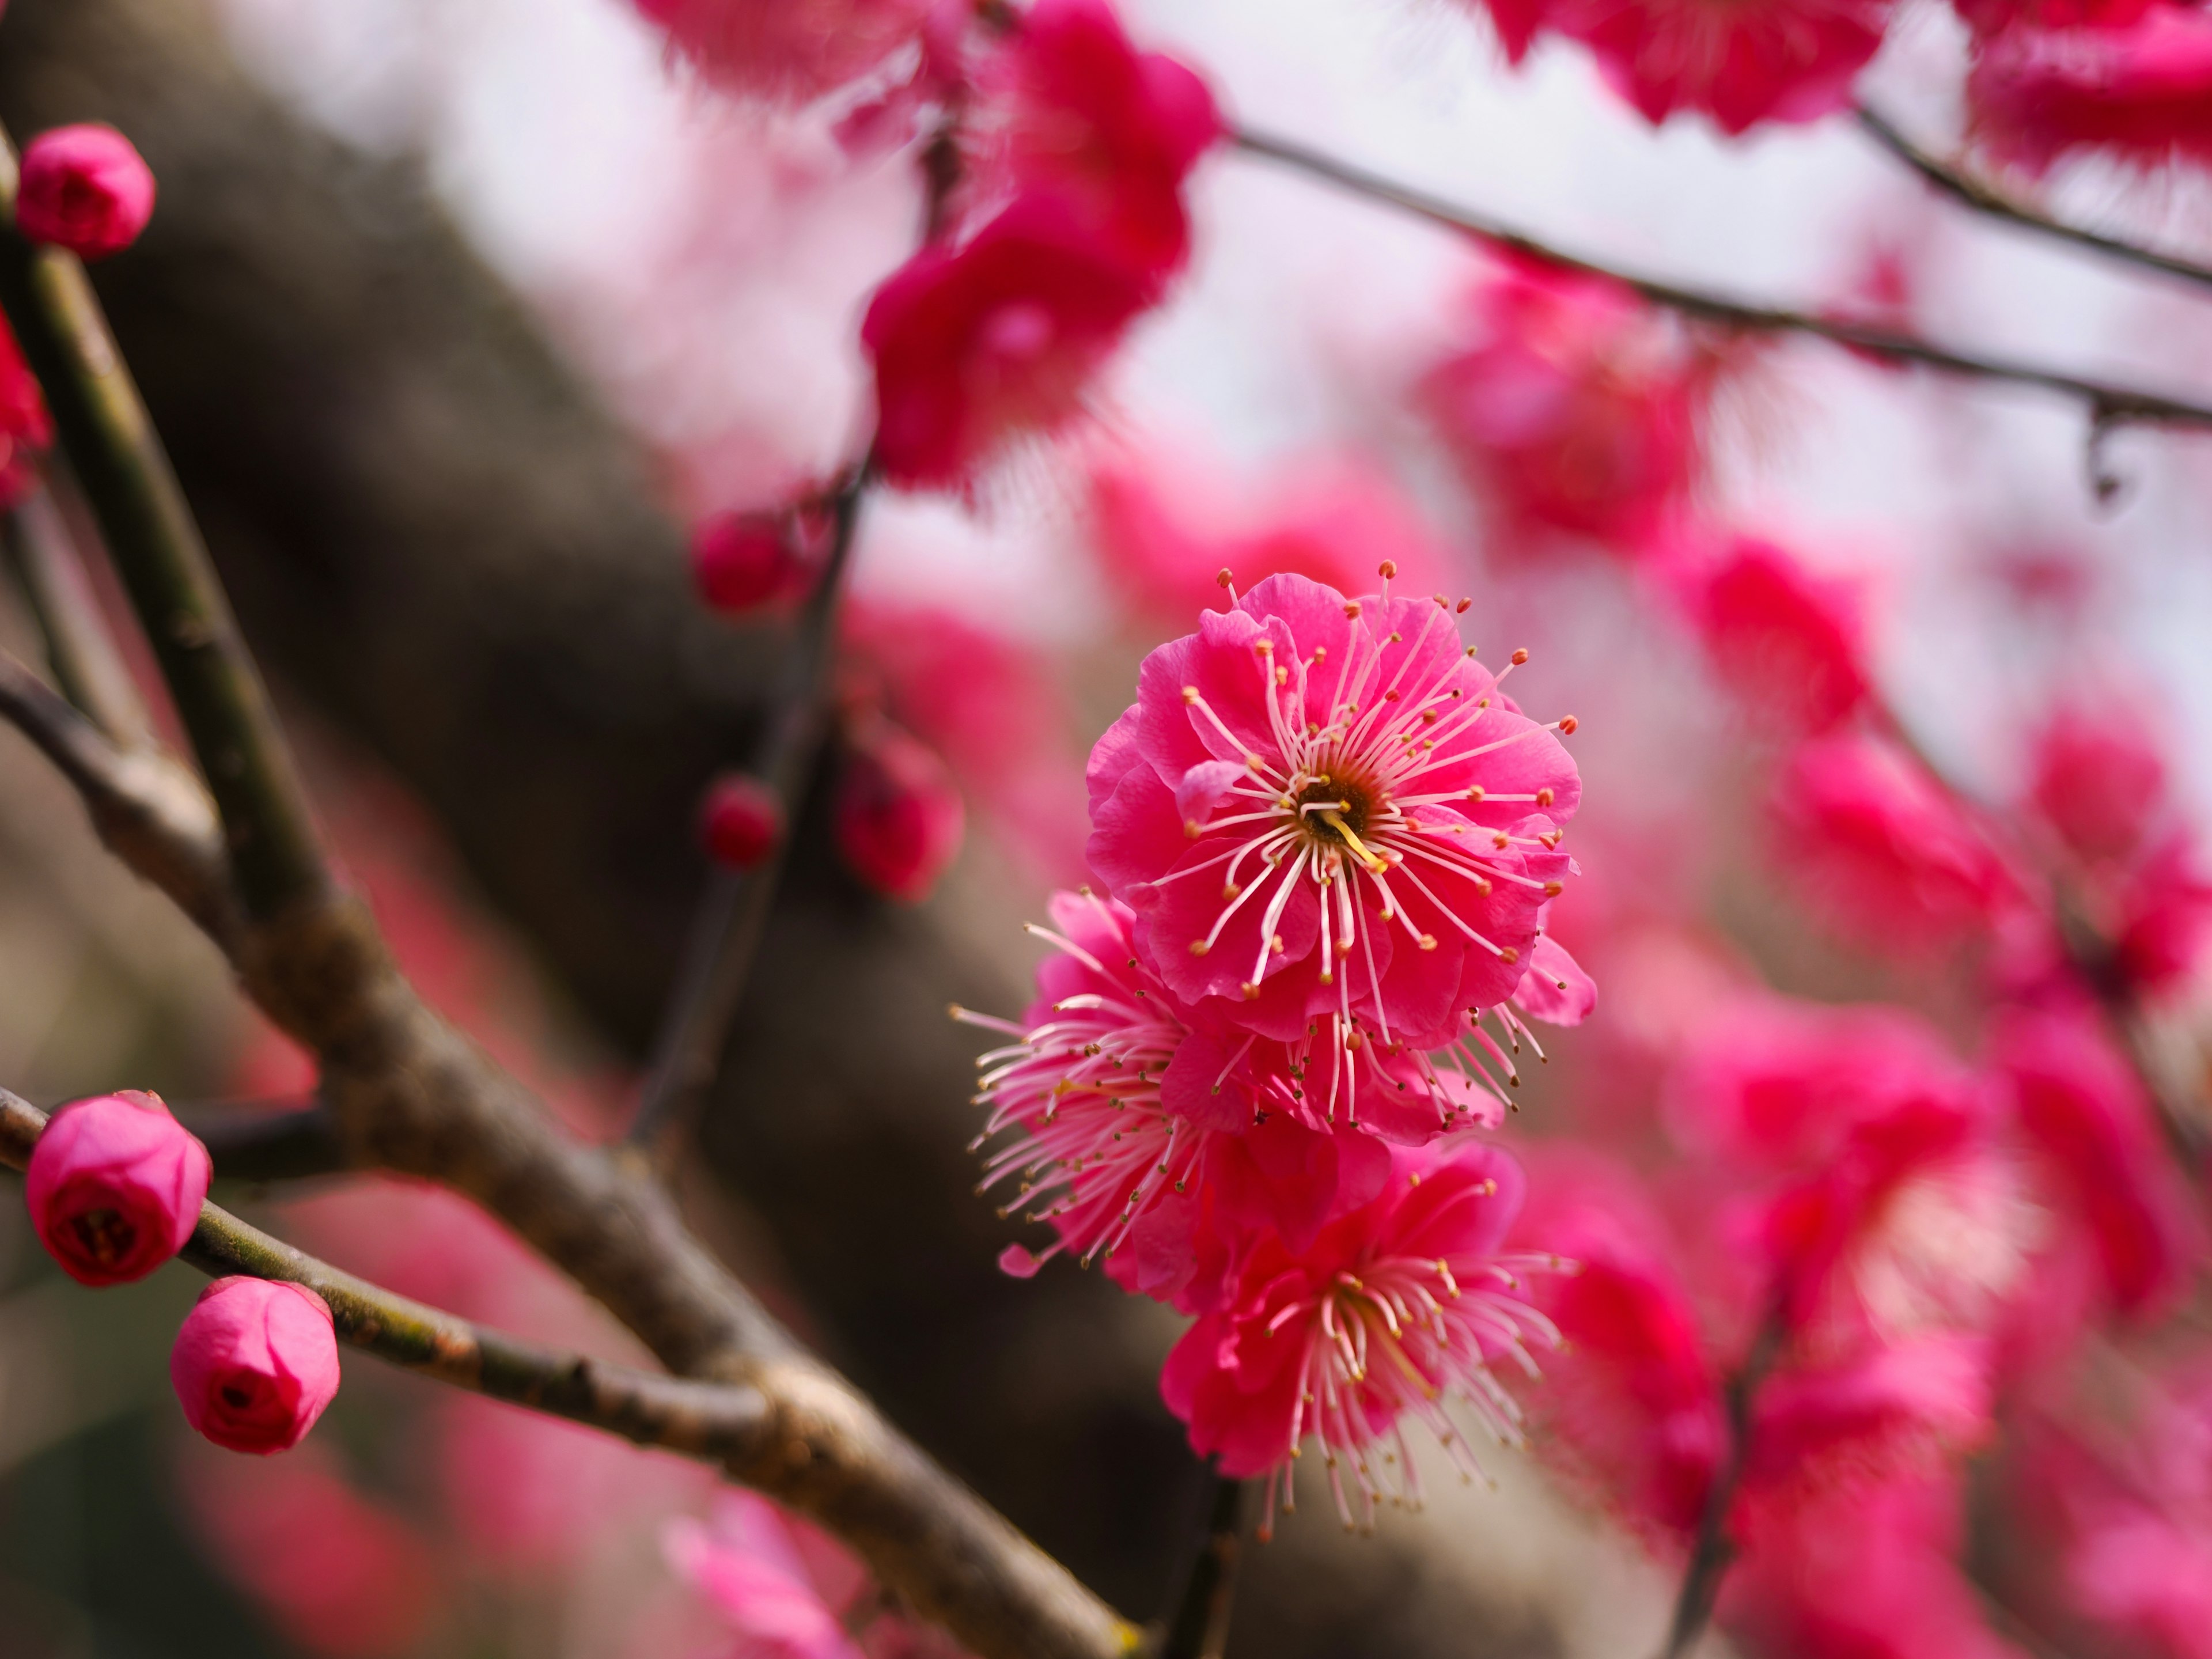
(157, 550)
(1200, 1626)
(251, 1143)
(726, 933)
(1981, 198)
(2110, 405)
(47, 567)
(1713, 1550)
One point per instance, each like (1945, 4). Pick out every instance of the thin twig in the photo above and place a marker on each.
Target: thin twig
(1713, 1550)
(267, 1143)
(1984, 198)
(2109, 404)
(719, 1422)
(150, 812)
(1198, 1628)
(156, 548)
(726, 935)
(80, 650)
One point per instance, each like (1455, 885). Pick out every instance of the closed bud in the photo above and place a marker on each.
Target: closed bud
(742, 560)
(898, 818)
(84, 188)
(740, 821)
(255, 1364)
(114, 1188)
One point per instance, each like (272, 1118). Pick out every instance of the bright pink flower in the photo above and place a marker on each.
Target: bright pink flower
(742, 560)
(340, 1575)
(26, 431)
(897, 816)
(1884, 1409)
(1073, 110)
(255, 1364)
(2143, 93)
(1326, 815)
(84, 188)
(997, 339)
(1741, 61)
(794, 49)
(1397, 1310)
(1164, 1149)
(1556, 988)
(1989, 17)
(114, 1186)
(2099, 783)
(778, 1584)
(1786, 641)
(740, 821)
(2163, 913)
(1516, 22)
(1580, 411)
(2081, 1105)
(1898, 862)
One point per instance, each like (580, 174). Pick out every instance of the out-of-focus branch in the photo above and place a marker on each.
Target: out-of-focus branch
(1972, 193)
(118, 459)
(1712, 1552)
(719, 955)
(1199, 1627)
(722, 1423)
(79, 651)
(2109, 404)
(150, 812)
(267, 1143)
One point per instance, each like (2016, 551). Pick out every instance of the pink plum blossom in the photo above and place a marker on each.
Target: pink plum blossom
(26, 430)
(897, 817)
(1329, 821)
(256, 1364)
(789, 50)
(1397, 1310)
(2099, 782)
(2142, 93)
(756, 1569)
(114, 1186)
(84, 188)
(1790, 642)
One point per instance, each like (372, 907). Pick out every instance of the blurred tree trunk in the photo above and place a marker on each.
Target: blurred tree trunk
(437, 539)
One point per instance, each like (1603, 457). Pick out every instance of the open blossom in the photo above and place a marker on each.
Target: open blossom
(2099, 783)
(255, 1364)
(780, 1584)
(1898, 863)
(114, 1186)
(1070, 107)
(1330, 822)
(2142, 93)
(1397, 1311)
(998, 339)
(1741, 62)
(1580, 410)
(1164, 1149)
(1791, 642)
(792, 49)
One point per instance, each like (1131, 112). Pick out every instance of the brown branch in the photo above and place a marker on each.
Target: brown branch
(1982, 197)
(156, 548)
(1199, 1627)
(725, 937)
(151, 813)
(723, 1423)
(408, 1092)
(1712, 1552)
(80, 650)
(272, 1141)
(2109, 404)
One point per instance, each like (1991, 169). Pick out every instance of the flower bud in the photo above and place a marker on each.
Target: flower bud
(86, 189)
(898, 818)
(114, 1188)
(255, 1364)
(740, 821)
(741, 561)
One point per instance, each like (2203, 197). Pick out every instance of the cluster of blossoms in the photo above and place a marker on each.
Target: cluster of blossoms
(1254, 1081)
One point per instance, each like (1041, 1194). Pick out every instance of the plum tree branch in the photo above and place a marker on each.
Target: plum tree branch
(410, 1093)
(720, 1422)
(1984, 198)
(2109, 404)
(80, 650)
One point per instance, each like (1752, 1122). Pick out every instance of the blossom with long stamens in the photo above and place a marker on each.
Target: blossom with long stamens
(1397, 1311)
(1165, 1148)
(1331, 824)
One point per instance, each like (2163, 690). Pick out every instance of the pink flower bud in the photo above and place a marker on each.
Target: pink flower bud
(114, 1188)
(84, 188)
(740, 560)
(898, 816)
(740, 821)
(255, 1364)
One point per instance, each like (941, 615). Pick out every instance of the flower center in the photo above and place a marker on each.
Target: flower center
(1336, 811)
(107, 1236)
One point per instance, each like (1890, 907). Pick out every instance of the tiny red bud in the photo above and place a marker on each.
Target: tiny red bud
(84, 188)
(740, 821)
(898, 818)
(741, 561)
(114, 1188)
(255, 1364)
